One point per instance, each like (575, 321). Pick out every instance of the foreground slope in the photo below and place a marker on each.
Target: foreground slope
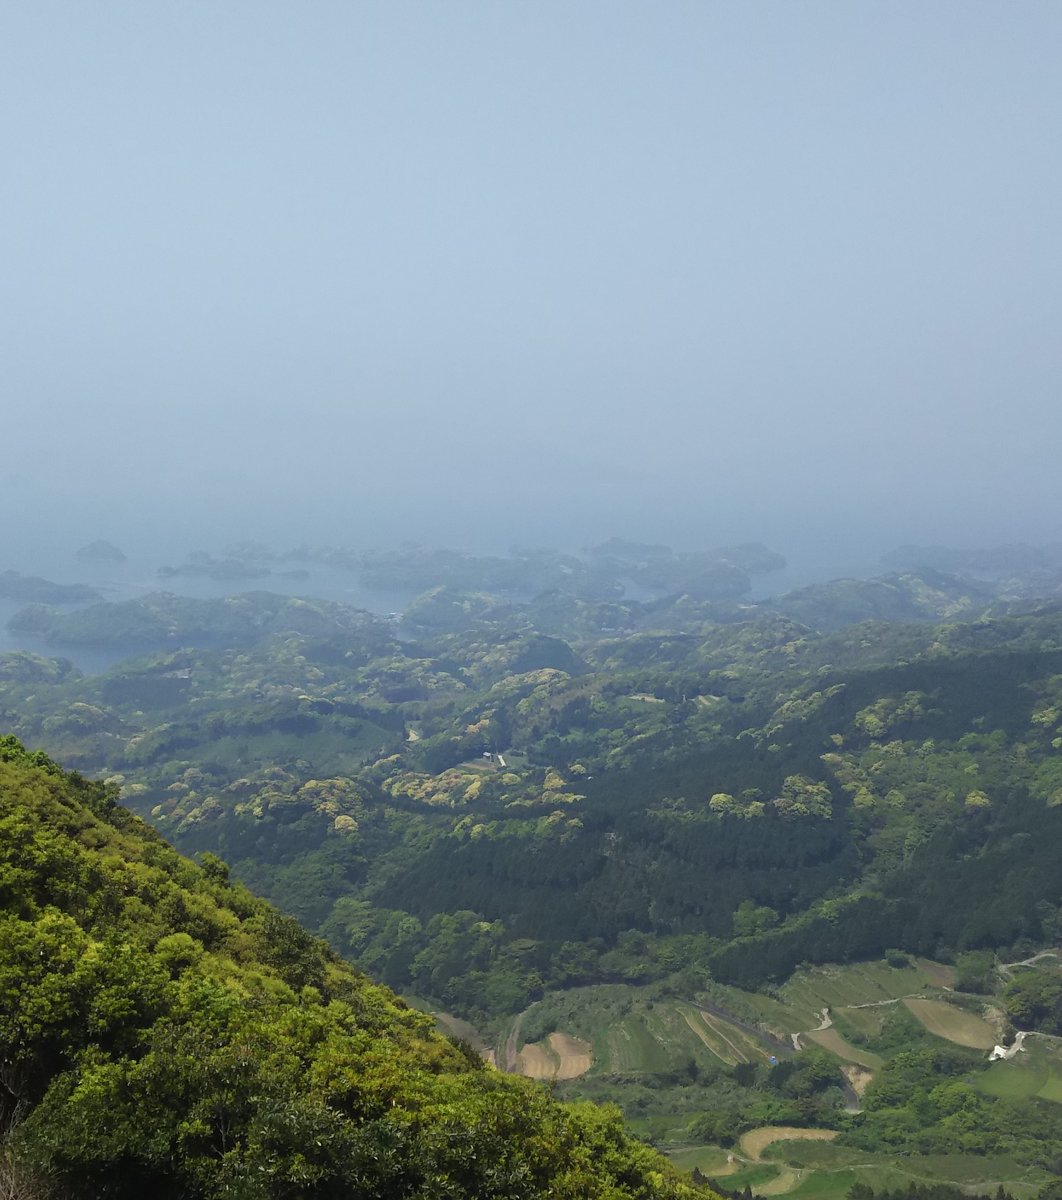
(165, 1033)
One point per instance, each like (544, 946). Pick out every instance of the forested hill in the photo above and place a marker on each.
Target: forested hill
(165, 1033)
(486, 800)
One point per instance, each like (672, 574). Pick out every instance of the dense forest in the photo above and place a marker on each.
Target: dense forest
(551, 775)
(503, 795)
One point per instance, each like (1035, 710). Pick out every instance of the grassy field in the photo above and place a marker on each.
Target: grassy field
(712, 1160)
(810, 991)
(830, 1039)
(1036, 1071)
(858, 1023)
(953, 1023)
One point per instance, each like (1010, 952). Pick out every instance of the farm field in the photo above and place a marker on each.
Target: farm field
(939, 974)
(769, 1012)
(808, 992)
(953, 1023)
(727, 1041)
(807, 1165)
(765, 1179)
(620, 1030)
(1035, 1072)
(558, 1057)
(860, 1023)
(711, 1160)
(830, 1039)
(616, 1036)
(756, 1141)
(625, 1031)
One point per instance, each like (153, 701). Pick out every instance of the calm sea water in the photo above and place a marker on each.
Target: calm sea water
(139, 577)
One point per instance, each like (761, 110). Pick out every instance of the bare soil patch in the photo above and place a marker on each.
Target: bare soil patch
(558, 1057)
(858, 1077)
(536, 1062)
(574, 1056)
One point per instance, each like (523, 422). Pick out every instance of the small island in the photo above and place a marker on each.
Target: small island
(100, 551)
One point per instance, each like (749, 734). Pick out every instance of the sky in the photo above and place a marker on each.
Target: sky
(490, 273)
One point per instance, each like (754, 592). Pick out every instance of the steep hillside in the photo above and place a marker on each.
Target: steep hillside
(164, 1033)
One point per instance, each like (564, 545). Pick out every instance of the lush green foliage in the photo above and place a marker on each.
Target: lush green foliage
(922, 1191)
(534, 782)
(1033, 1000)
(668, 786)
(165, 1033)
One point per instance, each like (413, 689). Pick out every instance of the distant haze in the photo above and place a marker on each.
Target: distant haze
(486, 273)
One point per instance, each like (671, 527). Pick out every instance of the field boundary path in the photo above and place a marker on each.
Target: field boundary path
(755, 1031)
(510, 1053)
(1007, 968)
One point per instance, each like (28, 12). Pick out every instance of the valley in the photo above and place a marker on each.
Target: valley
(729, 870)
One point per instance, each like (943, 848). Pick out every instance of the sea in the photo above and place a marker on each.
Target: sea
(139, 575)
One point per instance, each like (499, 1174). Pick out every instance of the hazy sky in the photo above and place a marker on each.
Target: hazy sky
(495, 272)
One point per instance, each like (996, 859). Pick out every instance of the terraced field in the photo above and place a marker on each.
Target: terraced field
(636, 1035)
(727, 1041)
(642, 1041)
(670, 1034)
(854, 1000)
(860, 1022)
(624, 1032)
(617, 1030)
(712, 1160)
(809, 992)
(807, 1165)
